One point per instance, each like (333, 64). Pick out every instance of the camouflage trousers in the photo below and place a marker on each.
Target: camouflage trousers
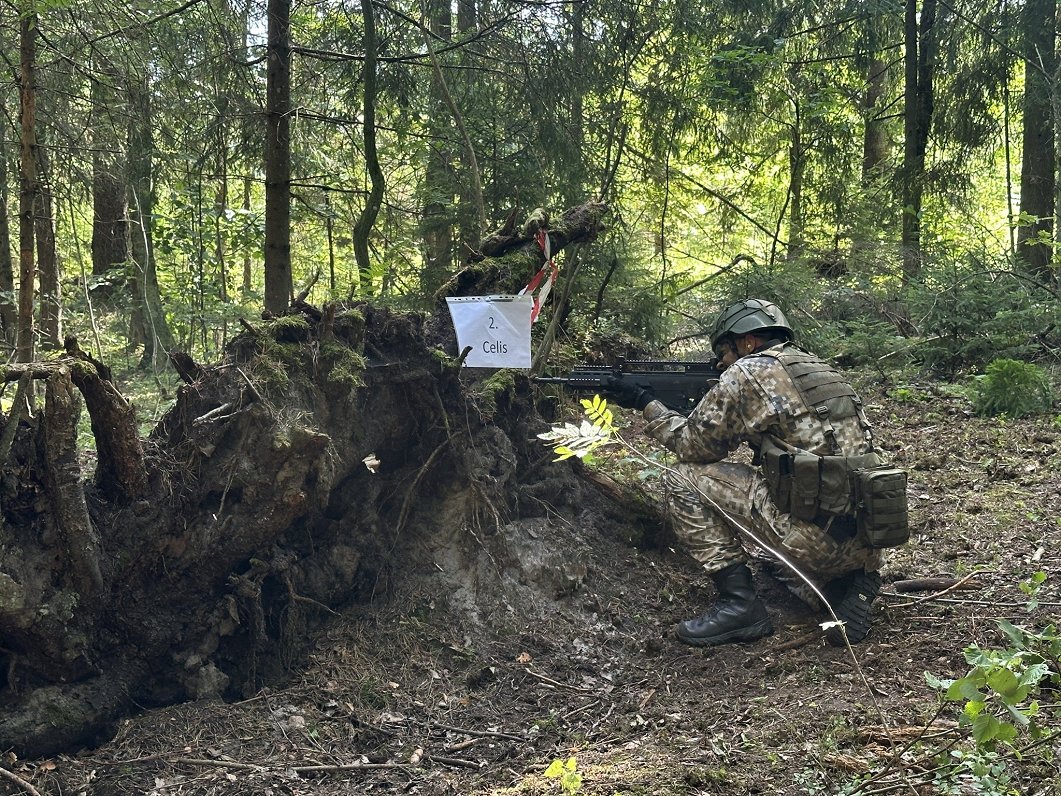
(740, 490)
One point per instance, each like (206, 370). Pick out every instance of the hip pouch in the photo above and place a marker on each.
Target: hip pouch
(811, 487)
(880, 506)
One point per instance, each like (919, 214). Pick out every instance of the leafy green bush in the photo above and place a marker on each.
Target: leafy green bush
(1000, 692)
(1014, 389)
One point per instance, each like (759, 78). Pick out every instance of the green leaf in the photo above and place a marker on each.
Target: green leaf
(1034, 674)
(1015, 634)
(1005, 683)
(985, 728)
(935, 682)
(1005, 732)
(1018, 716)
(563, 452)
(555, 769)
(964, 689)
(973, 708)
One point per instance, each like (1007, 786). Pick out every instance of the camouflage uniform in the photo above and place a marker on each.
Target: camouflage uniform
(755, 396)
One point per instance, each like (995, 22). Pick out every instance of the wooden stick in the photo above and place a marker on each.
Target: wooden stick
(932, 584)
(953, 587)
(13, 777)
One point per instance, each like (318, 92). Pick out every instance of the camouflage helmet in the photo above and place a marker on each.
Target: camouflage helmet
(751, 316)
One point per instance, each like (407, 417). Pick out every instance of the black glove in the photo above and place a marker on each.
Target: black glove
(627, 393)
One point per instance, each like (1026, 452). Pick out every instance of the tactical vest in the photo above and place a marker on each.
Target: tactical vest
(819, 488)
(824, 390)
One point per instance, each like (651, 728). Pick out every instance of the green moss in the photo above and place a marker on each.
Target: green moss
(289, 329)
(495, 390)
(349, 327)
(342, 365)
(79, 368)
(269, 374)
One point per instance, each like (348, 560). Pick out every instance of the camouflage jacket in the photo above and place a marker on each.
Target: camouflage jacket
(758, 395)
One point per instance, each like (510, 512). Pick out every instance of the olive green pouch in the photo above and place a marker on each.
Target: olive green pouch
(881, 506)
(777, 470)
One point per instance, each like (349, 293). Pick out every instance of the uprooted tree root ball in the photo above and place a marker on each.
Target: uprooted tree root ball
(329, 459)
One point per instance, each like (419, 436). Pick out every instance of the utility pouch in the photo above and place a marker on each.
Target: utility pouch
(881, 508)
(777, 470)
(834, 491)
(806, 483)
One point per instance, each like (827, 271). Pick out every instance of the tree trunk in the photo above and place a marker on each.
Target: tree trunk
(920, 64)
(278, 160)
(51, 308)
(221, 198)
(875, 143)
(875, 157)
(147, 324)
(248, 271)
(110, 213)
(440, 183)
(28, 186)
(374, 200)
(796, 165)
(8, 308)
(1038, 159)
(471, 214)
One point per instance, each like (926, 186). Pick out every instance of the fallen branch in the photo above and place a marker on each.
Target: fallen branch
(958, 584)
(10, 775)
(459, 762)
(557, 683)
(344, 767)
(930, 584)
(798, 641)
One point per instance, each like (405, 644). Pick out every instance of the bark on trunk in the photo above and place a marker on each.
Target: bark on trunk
(8, 308)
(440, 184)
(365, 222)
(1038, 160)
(920, 35)
(278, 159)
(147, 326)
(48, 259)
(28, 186)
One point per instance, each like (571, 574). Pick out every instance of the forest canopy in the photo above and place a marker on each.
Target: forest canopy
(889, 168)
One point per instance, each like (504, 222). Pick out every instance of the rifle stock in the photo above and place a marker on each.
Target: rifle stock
(678, 385)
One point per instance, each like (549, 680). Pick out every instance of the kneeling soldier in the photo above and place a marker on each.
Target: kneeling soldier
(810, 435)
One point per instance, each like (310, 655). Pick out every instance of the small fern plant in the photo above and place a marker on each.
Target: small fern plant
(579, 441)
(1013, 388)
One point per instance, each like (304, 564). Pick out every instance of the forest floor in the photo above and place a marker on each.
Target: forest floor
(407, 696)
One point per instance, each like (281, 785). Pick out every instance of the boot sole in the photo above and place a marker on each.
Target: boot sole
(760, 629)
(855, 609)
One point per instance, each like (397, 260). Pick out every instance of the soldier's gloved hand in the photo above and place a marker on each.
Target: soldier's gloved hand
(627, 393)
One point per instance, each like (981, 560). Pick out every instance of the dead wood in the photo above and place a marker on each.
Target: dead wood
(187, 368)
(63, 479)
(933, 584)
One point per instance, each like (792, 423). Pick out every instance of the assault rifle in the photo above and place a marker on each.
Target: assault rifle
(678, 385)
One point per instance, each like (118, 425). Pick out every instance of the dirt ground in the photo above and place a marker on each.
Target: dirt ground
(411, 694)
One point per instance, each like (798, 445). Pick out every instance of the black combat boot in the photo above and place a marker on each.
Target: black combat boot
(737, 615)
(852, 600)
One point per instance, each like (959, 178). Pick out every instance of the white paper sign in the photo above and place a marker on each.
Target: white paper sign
(496, 327)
